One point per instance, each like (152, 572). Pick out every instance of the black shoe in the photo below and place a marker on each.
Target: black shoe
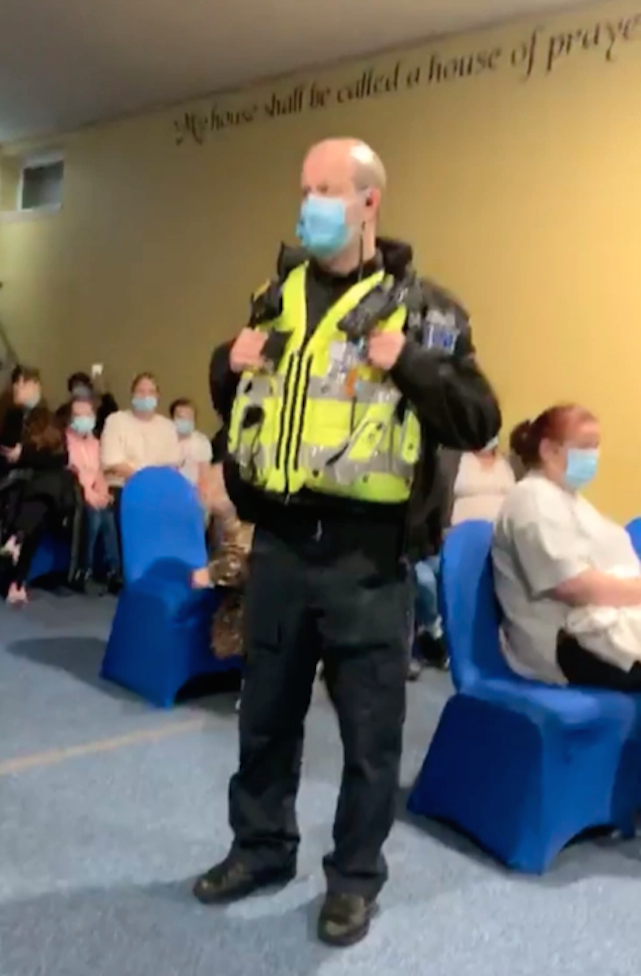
(79, 581)
(345, 919)
(231, 881)
(433, 650)
(414, 669)
(114, 584)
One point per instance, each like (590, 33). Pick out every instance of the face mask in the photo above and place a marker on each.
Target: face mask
(81, 392)
(184, 426)
(83, 425)
(322, 226)
(581, 466)
(144, 404)
(32, 401)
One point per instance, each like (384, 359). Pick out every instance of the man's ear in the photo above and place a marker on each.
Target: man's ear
(373, 200)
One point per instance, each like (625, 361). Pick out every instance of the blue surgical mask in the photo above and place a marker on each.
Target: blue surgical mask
(184, 426)
(144, 404)
(322, 226)
(83, 425)
(581, 466)
(32, 401)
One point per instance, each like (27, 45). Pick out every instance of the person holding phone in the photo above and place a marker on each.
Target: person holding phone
(83, 385)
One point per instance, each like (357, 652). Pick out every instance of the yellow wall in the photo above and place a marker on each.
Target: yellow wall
(523, 194)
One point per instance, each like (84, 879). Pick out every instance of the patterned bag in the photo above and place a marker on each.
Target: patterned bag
(228, 569)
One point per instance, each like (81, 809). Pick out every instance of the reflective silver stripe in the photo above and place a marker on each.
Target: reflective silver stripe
(258, 387)
(366, 391)
(252, 457)
(344, 471)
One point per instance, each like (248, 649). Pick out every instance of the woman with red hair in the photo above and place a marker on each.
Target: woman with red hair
(567, 578)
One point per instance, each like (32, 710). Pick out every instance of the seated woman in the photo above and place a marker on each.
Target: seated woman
(98, 516)
(477, 483)
(138, 438)
(567, 578)
(42, 492)
(195, 448)
(467, 486)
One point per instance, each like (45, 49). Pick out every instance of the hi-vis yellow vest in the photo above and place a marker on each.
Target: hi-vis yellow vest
(324, 419)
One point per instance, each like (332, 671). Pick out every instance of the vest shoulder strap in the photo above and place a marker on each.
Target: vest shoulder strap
(267, 301)
(378, 304)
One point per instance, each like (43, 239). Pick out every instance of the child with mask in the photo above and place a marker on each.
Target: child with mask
(99, 519)
(195, 448)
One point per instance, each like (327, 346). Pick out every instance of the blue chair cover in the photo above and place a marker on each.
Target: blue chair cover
(520, 766)
(634, 530)
(52, 556)
(160, 637)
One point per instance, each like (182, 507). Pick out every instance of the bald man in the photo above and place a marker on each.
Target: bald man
(335, 398)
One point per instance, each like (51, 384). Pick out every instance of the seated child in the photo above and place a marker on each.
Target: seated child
(99, 517)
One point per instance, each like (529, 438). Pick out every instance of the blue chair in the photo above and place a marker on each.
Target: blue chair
(634, 531)
(520, 766)
(160, 638)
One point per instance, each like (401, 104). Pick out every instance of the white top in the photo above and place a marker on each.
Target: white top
(545, 536)
(480, 489)
(126, 439)
(195, 451)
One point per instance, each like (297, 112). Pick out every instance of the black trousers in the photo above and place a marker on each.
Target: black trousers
(30, 524)
(314, 596)
(582, 667)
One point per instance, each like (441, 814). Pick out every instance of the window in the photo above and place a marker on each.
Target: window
(41, 183)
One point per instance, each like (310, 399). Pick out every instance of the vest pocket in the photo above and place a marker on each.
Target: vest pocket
(247, 449)
(405, 445)
(359, 456)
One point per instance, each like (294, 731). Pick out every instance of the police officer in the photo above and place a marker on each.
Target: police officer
(336, 397)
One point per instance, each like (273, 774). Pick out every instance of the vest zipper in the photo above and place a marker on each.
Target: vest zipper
(296, 386)
(300, 386)
(281, 434)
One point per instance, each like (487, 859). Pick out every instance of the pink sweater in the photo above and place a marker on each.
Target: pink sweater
(84, 461)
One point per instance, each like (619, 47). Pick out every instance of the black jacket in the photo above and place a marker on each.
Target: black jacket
(452, 398)
(47, 473)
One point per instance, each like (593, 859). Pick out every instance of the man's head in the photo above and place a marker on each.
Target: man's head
(80, 385)
(342, 182)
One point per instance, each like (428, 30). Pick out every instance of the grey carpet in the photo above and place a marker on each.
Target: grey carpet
(97, 851)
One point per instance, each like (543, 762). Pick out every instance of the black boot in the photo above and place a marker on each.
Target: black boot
(231, 881)
(433, 651)
(345, 919)
(114, 583)
(79, 581)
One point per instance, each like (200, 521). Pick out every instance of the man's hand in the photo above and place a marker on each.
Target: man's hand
(213, 493)
(12, 454)
(384, 348)
(247, 351)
